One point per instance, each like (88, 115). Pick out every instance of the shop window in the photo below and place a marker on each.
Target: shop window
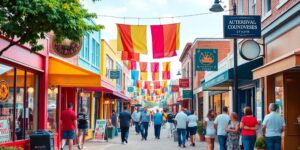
(279, 94)
(52, 108)
(85, 102)
(241, 7)
(225, 99)
(266, 8)
(217, 103)
(108, 65)
(252, 7)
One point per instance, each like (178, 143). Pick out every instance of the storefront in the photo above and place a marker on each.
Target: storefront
(23, 94)
(218, 100)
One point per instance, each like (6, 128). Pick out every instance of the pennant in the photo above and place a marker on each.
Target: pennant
(144, 76)
(164, 84)
(166, 75)
(165, 40)
(132, 38)
(166, 66)
(155, 76)
(143, 66)
(154, 67)
(134, 74)
(130, 56)
(175, 88)
(139, 84)
(156, 84)
(147, 85)
(131, 65)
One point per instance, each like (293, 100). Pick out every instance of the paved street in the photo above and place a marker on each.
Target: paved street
(135, 143)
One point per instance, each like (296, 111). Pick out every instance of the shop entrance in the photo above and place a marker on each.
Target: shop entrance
(246, 98)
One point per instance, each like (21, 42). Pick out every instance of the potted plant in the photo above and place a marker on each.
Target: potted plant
(260, 143)
(200, 129)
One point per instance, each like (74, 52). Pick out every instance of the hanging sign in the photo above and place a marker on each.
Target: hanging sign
(5, 131)
(114, 74)
(184, 83)
(206, 60)
(187, 94)
(67, 48)
(100, 128)
(242, 26)
(4, 91)
(130, 89)
(175, 88)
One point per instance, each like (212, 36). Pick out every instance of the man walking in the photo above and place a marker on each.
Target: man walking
(220, 125)
(124, 119)
(180, 124)
(273, 126)
(145, 119)
(170, 119)
(157, 118)
(69, 125)
(114, 119)
(83, 120)
(136, 116)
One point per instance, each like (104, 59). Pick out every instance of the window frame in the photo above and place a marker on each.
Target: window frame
(252, 7)
(265, 14)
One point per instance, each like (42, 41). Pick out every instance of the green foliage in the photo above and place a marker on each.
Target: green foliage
(200, 127)
(260, 143)
(11, 148)
(26, 21)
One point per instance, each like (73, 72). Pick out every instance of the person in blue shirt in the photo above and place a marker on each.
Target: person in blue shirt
(145, 119)
(158, 119)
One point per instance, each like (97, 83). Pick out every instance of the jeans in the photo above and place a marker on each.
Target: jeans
(222, 141)
(171, 125)
(181, 136)
(144, 130)
(273, 143)
(137, 127)
(157, 128)
(248, 142)
(124, 133)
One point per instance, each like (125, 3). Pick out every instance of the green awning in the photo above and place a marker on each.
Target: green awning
(222, 81)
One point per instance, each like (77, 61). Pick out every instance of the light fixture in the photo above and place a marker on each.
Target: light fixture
(216, 7)
(178, 73)
(49, 91)
(30, 90)
(81, 94)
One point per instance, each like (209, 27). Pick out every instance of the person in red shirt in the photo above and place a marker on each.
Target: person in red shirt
(249, 125)
(69, 126)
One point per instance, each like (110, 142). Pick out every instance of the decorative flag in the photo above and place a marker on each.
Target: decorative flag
(166, 75)
(135, 74)
(131, 65)
(154, 67)
(139, 84)
(143, 66)
(175, 88)
(147, 85)
(132, 38)
(166, 66)
(156, 84)
(144, 76)
(130, 56)
(155, 76)
(164, 84)
(165, 40)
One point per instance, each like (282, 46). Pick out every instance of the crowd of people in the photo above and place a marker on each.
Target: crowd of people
(231, 133)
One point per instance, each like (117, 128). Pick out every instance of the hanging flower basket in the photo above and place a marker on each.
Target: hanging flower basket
(67, 48)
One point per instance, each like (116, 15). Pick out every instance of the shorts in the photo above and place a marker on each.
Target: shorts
(83, 131)
(192, 130)
(68, 134)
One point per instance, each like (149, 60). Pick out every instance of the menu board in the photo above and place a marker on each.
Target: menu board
(100, 130)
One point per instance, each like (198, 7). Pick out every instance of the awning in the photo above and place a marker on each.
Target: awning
(286, 62)
(222, 81)
(65, 74)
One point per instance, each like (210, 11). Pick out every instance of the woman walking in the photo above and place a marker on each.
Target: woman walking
(233, 135)
(192, 126)
(210, 130)
(249, 126)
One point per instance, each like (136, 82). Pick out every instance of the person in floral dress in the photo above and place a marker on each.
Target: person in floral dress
(233, 132)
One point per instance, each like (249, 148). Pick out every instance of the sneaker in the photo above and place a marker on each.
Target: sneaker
(78, 146)
(179, 145)
(184, 146)
(126, 141)
(194, 144)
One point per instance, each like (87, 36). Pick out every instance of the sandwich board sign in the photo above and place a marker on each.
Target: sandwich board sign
(100, 129)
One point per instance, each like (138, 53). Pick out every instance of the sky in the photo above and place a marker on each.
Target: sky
(204, 26)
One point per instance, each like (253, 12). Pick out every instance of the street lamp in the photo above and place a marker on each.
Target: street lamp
(216, 7)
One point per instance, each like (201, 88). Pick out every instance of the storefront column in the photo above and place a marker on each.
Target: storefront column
(43, 97)
(269, 92)
(101, 106)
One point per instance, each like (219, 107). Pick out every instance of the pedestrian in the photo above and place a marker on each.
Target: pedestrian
(192, 126)
(136, 116)
(210, 131)
(124, 119)
(249, 125)
(273, 126)
(180, 124)
(83, 121)
(145, 120)
(170, 119)
(114, 119)
(157, 119)
(187, 112)
(233, 132)
(220, 125)
(69, 126)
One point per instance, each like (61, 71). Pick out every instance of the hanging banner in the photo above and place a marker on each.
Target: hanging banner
(175, 88)
(114, 74)
(184, 83)
(100, 128)
(187, 94)
(130, 89)
(206, 60)
(240, 26)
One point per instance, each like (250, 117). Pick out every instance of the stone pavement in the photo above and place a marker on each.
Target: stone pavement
(135, 143)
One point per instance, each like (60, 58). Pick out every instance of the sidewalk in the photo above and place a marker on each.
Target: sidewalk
(135, 143)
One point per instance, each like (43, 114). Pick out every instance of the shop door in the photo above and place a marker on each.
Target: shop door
(247, 98)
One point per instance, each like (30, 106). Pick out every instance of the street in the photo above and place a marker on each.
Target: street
(135, 143)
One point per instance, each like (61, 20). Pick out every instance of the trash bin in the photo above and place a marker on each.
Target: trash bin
(42, 140)
(110, 132)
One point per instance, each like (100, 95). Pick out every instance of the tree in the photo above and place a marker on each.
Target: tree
(26, 21)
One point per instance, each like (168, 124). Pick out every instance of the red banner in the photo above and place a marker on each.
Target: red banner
(175, 88)
(184, 83)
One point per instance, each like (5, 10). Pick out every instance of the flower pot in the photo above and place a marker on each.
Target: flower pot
(201, 138)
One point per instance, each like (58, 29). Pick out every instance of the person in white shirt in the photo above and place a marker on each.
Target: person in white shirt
(136, 115)
(221, 122)
(192, 126)
(180, 124)
(210, 131)
(273, 126)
